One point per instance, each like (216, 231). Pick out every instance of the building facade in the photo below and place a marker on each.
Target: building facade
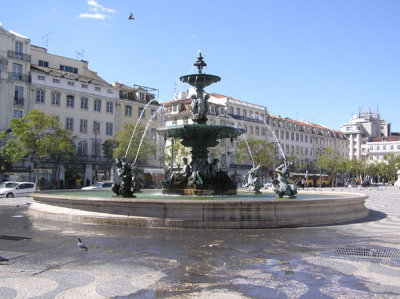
(92, 109)
(362, 128)
(300, 140)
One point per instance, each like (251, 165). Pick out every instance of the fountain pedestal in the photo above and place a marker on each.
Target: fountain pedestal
(204, 179)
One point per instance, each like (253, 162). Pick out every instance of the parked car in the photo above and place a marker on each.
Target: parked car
(14, 189)
(99, 186)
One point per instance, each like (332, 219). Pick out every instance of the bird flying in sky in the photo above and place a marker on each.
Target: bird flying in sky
(131, 17)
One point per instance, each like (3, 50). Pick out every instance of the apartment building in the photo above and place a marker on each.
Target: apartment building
(362, 128)
(298, 139)
(92, 109)
(305, 141)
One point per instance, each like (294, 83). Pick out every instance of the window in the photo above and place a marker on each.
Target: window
(256, 115)
(43, 63)
(174, 108)
(297, 137)
(251, 114)
(301, 137)
(71, 83)
(109, 129)
(287, 135)
(56, 80)
(97, 88)
(282, 134)
(69, 123)
(141, 96)
(109, 91)
(96, 127)
(70, 101)
(55, 98)
(257, 131)
(141, 112)
(230, 110)
(84, 103)
(19, 48)
(82, 148)
(306, 138)
(292, 136)
(19, 95)
(251, 129)
(83, 126)
(40, 77)
(244, 113)
(128, 110)
(384, 147)
(17, 114)
(69, 69)
(17, 71)
(40, 96)
(237, 111)
(212, 109)
(85, 86)
(97, 105)
(110, 107)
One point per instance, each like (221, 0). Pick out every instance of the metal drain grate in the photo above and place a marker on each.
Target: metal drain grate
(13, 238)
(367, 252)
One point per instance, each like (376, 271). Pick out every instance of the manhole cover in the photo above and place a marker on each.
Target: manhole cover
(368, 252)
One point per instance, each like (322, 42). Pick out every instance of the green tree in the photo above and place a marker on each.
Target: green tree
(36, 135)
(393, 165)
(332, 162)
(261, 150)
(123, 137)
(179, 151)
(108, 147)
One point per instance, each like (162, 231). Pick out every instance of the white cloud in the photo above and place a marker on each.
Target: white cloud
(95, 4)
(92, 16)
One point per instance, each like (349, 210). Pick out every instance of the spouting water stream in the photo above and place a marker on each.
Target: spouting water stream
(137, 123)
(145, 130)
(275, 139)
(245, 138)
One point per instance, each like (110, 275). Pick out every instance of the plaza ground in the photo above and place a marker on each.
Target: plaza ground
(132, 262)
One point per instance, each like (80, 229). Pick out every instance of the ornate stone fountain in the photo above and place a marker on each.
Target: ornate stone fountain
(202, 177)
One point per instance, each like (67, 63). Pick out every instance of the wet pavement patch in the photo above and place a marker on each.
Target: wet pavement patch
(13, 238)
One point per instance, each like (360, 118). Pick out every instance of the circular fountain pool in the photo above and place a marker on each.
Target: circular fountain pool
(245, 211)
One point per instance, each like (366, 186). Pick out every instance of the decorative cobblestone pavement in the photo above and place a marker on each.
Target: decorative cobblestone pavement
(338, 261)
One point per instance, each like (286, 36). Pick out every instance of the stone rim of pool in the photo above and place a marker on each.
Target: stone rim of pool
(323, 208)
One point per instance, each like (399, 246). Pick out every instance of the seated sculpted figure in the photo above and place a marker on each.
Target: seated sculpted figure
(181, 176)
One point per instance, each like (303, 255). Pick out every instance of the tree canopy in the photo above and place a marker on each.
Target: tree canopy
(36, 135)
(123, 137)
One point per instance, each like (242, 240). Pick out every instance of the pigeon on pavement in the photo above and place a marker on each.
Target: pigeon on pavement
(82, 245)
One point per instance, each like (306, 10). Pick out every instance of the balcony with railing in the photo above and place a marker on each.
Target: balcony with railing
(245, 118)
(19, 101)
(20, 56)
(18, 76)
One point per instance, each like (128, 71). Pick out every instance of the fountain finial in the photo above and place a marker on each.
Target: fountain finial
(200, 63)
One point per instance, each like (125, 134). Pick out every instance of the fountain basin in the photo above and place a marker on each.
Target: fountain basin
(264, 211)
(200, 133)
(200, 80)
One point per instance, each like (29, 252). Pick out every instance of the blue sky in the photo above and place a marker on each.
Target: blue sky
(319, 61)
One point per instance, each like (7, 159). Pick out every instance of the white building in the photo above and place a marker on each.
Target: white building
(362, 128)
(375, 150)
